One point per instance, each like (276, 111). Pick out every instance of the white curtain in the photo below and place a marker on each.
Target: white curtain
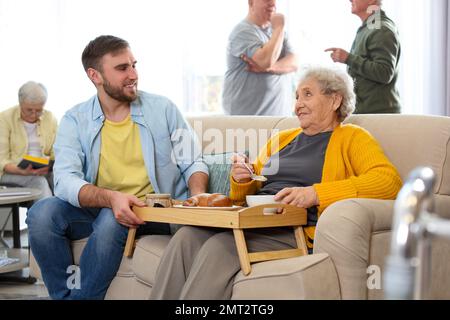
(446, 22)
(437, 80)
(424, 80)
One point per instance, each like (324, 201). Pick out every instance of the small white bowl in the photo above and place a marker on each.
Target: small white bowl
(255, 200)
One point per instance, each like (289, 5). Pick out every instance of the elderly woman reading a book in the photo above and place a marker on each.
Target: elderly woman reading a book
(319, 163)
(27, 134)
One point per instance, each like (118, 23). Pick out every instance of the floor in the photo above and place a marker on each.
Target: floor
(20, 290)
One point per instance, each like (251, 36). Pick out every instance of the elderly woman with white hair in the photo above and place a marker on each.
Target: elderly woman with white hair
(319, 163)
(27, 129)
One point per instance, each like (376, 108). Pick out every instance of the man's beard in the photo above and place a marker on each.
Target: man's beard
(117, 93)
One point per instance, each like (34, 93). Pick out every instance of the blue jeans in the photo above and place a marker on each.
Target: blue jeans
(54, 223)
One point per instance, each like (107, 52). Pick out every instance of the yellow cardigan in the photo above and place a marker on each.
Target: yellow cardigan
(355, 167)
(14, 140)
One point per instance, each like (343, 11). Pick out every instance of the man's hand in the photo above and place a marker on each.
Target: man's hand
(299, 197)
(252, 66)
(277, 21)
(338, 55)
(121, 206)
(239, 172)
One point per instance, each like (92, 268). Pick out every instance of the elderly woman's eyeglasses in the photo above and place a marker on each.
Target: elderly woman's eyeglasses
(32, 112)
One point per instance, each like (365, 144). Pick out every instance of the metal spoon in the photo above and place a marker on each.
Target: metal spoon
(254, 176)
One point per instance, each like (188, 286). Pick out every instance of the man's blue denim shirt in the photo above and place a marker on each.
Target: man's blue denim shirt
(170, 147)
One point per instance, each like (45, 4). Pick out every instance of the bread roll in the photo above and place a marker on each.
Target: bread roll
(191, 202)
(208, 200)
(199, 200)
(219, 200)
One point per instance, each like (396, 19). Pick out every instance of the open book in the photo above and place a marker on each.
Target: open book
(36, 162)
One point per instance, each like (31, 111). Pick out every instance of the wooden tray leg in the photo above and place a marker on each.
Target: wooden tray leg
(129, 246)
(242, 251)
(301, 241)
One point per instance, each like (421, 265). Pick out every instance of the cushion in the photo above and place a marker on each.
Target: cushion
(219, 166)
(148, 253)
(308, 277)
(78, 247)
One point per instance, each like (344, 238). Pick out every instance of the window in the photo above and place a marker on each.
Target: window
(180, 45)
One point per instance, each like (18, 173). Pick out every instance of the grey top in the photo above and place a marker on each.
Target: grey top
(249, 93)
(300, 164)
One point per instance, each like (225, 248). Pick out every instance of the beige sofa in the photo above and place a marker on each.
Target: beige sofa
(352, 237)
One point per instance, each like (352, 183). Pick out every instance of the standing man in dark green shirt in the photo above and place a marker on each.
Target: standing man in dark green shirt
(373, 61)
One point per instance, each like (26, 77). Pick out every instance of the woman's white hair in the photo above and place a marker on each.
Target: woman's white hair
(33, 92)
(334, 80)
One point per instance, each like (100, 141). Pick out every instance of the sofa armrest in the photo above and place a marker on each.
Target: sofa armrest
(442, 206)
(344, 231)
(307, 277)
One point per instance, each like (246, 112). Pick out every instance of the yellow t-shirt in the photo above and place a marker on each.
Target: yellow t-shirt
(122, 166)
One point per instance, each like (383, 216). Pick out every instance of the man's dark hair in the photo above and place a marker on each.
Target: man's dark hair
(98, 48)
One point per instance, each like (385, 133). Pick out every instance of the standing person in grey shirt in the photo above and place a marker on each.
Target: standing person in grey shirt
(260, 62)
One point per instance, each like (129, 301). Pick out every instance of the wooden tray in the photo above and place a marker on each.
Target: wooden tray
(244, 218)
